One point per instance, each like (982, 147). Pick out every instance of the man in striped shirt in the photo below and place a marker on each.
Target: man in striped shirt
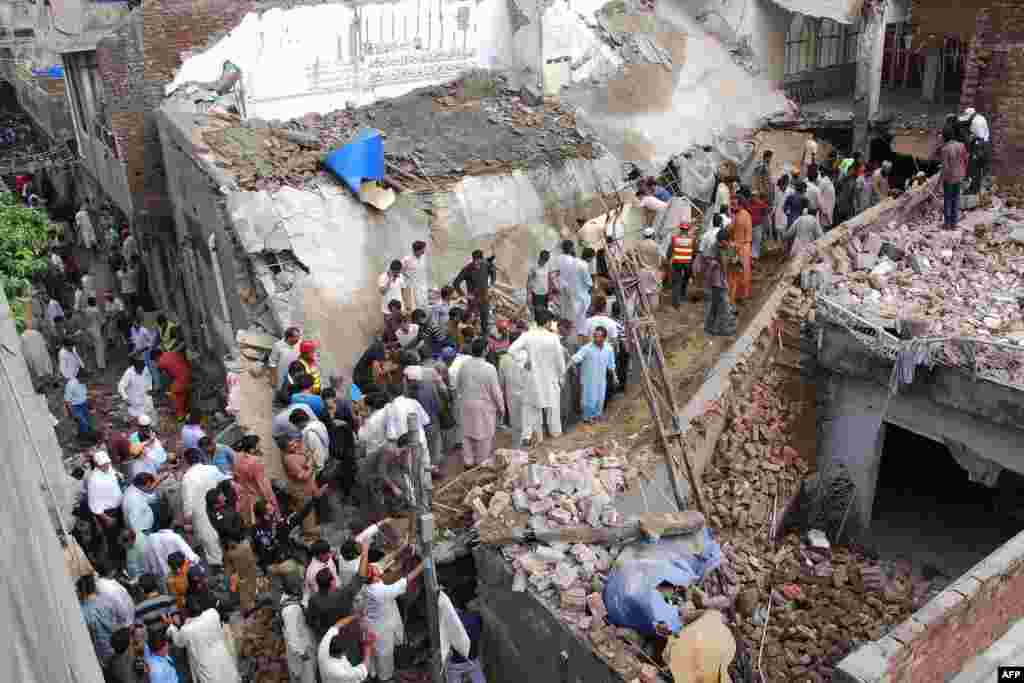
(431, 339)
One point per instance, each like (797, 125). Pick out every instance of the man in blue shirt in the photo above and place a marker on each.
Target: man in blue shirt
(99, 619)
(220, 456)
(305, 396)
(158, 658)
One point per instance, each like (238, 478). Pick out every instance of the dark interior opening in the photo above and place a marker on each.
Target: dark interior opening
(928, 511)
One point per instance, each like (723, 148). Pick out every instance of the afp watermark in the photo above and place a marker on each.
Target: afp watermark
(1011, 673)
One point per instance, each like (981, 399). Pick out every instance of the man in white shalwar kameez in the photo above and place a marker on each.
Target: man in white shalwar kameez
(582, 290)
(567, 264)
(196, 482)
(134, 388)
(86, 233)
(414, 267)
(513, 384)
(539, 351)
(208, 654)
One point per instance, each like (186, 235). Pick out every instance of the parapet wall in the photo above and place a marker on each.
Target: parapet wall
(960, 622)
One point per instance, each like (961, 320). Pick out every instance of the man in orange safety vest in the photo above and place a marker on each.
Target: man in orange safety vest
(680, 258)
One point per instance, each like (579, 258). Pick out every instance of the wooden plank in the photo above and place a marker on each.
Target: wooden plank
(653, 525)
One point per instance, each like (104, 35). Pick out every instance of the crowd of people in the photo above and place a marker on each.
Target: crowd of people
(168, 547)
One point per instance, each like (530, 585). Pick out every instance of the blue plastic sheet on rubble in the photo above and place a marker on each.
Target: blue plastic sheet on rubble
(55, 71)
(362, 159)
(631, 594)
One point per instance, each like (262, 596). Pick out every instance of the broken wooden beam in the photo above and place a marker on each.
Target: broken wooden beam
(653, 525)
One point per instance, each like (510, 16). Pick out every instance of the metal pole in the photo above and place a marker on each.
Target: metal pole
(425, 542)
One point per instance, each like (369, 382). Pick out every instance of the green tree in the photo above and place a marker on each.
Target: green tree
(23, 233)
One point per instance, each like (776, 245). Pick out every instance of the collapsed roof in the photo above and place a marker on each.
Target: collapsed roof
(959, 293)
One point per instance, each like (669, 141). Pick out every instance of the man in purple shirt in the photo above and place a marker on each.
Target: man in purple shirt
(954, 167)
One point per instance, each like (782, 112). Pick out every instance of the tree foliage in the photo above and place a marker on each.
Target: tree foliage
(23, 234)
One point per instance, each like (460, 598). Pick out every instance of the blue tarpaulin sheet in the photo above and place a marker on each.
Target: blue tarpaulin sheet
(362, 159)
(631, 595)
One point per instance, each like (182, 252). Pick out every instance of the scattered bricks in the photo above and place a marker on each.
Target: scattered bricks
(549, 554)
(532, 564)
(873, 244)
(499, 503)
(596, 604)
(792, 591)
(565, 575)
(591, 508)
(583, 553)
(611, 517)
(574, 599)
(541, 506)
(520, 501)
(865, 261)
(560, 515)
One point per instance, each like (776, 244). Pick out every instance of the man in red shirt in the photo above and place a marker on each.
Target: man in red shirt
(179, 370)
(954, 168)
(758, 209)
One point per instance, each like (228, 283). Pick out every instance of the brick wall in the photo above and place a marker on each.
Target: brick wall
(961, 622)
(994, 83)
(136, 61)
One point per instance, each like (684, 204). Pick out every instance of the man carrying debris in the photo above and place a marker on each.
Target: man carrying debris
(414, 268)
(478, 275)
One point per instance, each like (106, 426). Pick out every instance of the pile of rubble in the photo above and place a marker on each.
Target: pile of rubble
(825, 600)
(565, 490)
(962, 283)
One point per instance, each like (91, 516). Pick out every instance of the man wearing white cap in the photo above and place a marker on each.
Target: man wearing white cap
(103, 496)
(977, 145)
(649, 254)
(152, 447)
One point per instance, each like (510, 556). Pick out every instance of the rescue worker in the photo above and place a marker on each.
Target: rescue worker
(680, 258)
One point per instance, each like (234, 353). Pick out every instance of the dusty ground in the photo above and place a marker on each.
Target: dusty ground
(690, 354)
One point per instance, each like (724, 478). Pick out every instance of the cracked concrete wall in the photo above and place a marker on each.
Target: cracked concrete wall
(343, 246)
(711, 96)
